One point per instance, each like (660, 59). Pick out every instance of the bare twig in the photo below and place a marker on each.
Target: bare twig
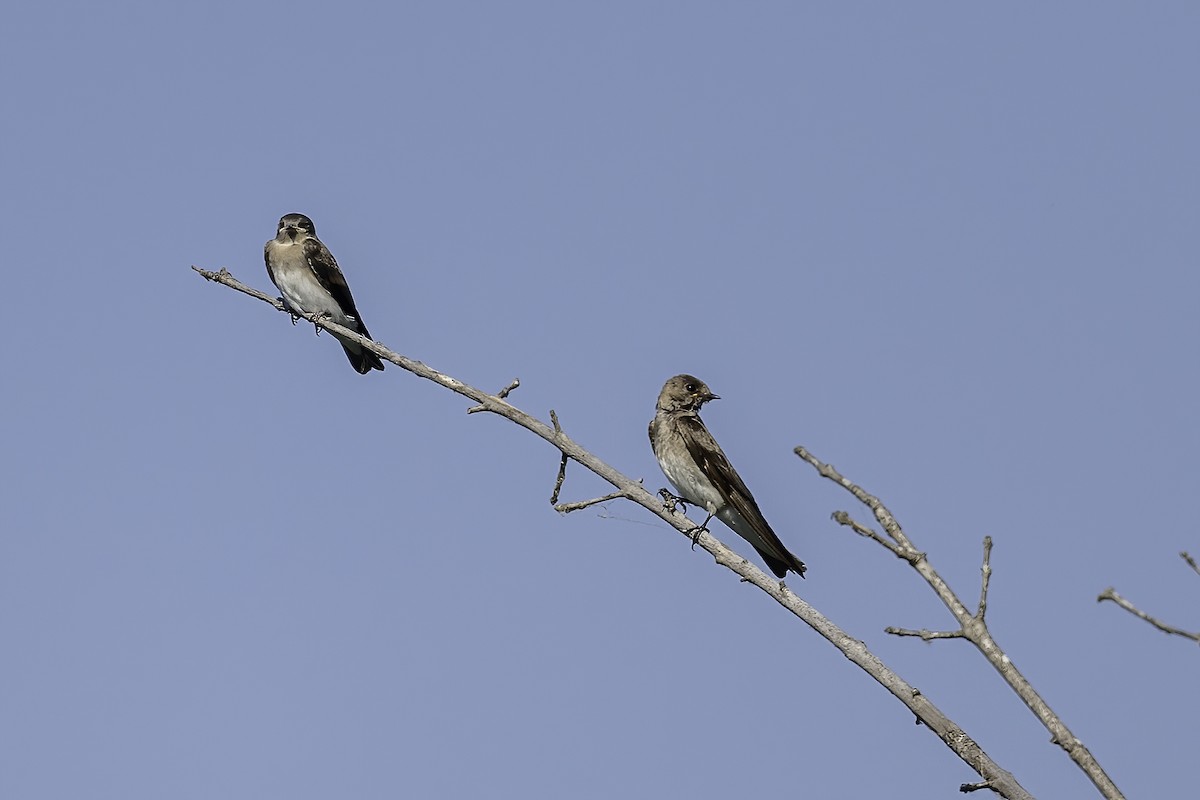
(567, 508)
(503, 393)
(842, 518)
(562, 466)
(1190, 561)
(924, 634)
(986, 571)
(974, 629)
(1001, 781)
(966, 788)
(1111, 594)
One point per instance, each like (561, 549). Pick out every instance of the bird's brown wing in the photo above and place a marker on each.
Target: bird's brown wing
(327, 271)
(716, 467)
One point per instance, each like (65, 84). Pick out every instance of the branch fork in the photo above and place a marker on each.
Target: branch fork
(972, 626)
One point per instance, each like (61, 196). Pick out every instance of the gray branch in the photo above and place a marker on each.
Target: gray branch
(925, 635)
(995, 778)
(973, 628)
(1111, 594)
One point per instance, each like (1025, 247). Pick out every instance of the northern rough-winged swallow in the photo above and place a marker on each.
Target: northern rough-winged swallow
(697, 467)
(304, 270)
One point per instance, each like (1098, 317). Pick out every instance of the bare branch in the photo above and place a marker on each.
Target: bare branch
(1000, 780)
(1111, 594)
(924, 634)
(974, 629)
(1190, 561)
(880, 511)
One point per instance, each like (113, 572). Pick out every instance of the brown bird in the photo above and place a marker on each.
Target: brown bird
(698, 469)
(305, 272)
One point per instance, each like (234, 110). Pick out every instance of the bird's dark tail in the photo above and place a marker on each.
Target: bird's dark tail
(362, 360)
(780, 567)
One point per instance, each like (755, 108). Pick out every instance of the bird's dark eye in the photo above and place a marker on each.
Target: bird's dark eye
(691, 387)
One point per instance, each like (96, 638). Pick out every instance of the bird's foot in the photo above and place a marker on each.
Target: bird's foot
(325, 315)
(672, 503)
(293, 313)
(699, 529)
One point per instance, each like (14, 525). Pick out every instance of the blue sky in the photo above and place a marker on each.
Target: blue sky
(948, 247)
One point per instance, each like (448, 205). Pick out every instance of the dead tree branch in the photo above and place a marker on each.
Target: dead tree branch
(1111, 594)
(973, 628)
(999, 780)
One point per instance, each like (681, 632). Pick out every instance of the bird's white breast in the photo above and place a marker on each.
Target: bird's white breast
(683, 473)
(298, 285)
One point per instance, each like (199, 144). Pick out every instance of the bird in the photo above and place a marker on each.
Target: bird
(699, 470)
(304, 270)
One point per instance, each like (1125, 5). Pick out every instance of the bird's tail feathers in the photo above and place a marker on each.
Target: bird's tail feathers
(361, 359)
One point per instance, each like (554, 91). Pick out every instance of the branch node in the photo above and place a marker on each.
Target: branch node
(503, 393)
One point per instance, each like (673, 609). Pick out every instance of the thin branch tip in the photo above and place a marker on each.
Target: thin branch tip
(986, 573)
(1111, 594)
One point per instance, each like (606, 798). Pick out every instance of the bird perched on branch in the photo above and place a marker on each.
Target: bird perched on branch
(304, 270)
(698, 469)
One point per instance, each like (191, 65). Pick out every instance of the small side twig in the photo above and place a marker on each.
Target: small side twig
(1111, 594)
(842, 518)
(925, 635)
(986, 570)
(567, 508)
(503, 393)
(562, 465)
(1190, 561)
(966, 788)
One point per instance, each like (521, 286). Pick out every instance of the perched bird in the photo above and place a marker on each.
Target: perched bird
(305, 271)
(697, 467)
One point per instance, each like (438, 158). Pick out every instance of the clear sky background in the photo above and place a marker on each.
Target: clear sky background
(949, 247)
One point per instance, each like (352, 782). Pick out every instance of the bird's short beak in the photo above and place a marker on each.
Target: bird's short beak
(712, 396)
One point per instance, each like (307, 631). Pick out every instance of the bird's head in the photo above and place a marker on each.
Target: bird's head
(684, 393)
(295, 226)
